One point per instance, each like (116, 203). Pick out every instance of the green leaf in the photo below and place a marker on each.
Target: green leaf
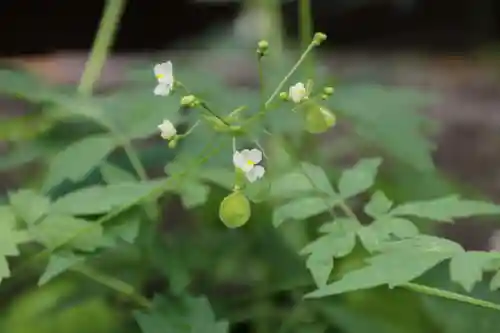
(113, 174)
(290, 185)
(29, 205)
(399, 263)
(339, 242)
(258, 191)
(58, 264)
(10, 238)
(194, 194)
(73, 233)
(318, 178)
(495, 281)
(359, 178)
(220, 177)
(78, 159)
(399, 227)
(102, 199)
(446, 209)
(467, 268)
(371, 238)
(196, 316)
(378, 205)
(127, 231)
(301, 209)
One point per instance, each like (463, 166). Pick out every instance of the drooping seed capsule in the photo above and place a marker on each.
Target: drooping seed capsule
(234, 210)
(318, 119)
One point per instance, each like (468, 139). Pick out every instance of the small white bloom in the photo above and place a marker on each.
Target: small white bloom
(165, 76)
(167, 129)
(247, 161)
(298, 92)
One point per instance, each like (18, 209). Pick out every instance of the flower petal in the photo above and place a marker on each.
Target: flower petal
(297, 92)
(255, 155)
(255, 173)
(167, 129)
(164, 73)
(162, 89)
(238, 159)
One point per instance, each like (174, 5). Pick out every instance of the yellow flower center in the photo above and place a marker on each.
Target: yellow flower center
(160, 76)
(250, 163)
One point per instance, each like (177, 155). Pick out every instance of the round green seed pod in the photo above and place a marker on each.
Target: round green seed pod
(234, 210)
(318, 119)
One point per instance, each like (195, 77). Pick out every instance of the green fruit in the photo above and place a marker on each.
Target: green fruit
(234, 210)
(318, 119)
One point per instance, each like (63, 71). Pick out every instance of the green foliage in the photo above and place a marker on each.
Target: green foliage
(193, 315)
(78, 159)
(10, 238)
(400, 253)
(102, 199)
(106, 219)
(358, 179)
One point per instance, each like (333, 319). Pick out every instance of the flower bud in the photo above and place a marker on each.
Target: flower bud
(284, 96)
(319, 38)
(173, 142)
(262, 47)
(318, 118)
(234, 210)
(328, 90)
(188, 100)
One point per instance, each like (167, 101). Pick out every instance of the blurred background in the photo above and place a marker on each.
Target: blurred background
(437, 59)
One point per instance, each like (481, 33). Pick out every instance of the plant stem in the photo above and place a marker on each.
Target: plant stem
(290, 73)
(261, 84)
(449, 295)
(93, 67)
(101, 46)
(113, 283)
(306, 33)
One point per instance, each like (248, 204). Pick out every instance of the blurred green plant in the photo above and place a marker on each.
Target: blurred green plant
(96, 216)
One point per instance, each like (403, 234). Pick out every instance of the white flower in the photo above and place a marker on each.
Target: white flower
(164, 75)
(247, 161)
(167, 129)
(298, 92)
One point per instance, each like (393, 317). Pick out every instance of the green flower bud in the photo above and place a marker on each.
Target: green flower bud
(318, 118)
(188, 100)
(284, 96)
(173, 142)
(234, 210)
(328, 90)
(263, 45)
(319, 38)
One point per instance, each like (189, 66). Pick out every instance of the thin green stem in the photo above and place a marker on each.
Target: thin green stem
(261, 84)
(113, 283)
(449, 295)
(309, 48)
(102, 43)
(93, 67)
(306, 33)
